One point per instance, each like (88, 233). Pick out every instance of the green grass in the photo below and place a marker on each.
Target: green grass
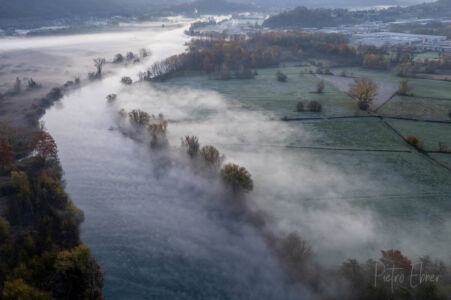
(442, 158)
(405, 192)
(266, 93)
(425, 88)
(429, 134)
(417, 108)
(365, 133)
(427, 55)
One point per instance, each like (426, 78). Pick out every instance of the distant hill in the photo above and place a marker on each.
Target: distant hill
(35, 13)
(212, 7)
(16, 13)
(302, 17)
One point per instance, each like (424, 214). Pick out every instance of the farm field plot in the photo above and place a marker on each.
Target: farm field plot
(363, 133)
(417, 108)
(385, 92)
(266, 93)
(427, 55)
(346, 203)
(385, 199)
(426, 88)
(442, 158)
(429, 134)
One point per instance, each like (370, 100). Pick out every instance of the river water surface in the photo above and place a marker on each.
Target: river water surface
(153, 230)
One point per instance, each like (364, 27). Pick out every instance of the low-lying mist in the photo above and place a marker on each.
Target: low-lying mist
(323, 196)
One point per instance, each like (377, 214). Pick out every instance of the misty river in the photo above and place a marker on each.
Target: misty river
(155, 234)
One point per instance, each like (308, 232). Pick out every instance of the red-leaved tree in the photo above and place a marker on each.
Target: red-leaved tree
(44, 145)
(394, 258)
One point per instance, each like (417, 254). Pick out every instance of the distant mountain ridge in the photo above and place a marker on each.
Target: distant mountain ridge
(33, 13)
(302, 17)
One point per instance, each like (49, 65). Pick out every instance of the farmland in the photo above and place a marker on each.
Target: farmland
(364, 170)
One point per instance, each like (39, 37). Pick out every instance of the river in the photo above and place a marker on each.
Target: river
(154, 231)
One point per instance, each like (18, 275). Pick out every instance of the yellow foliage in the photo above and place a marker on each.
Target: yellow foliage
(19, 290)
(364, 91)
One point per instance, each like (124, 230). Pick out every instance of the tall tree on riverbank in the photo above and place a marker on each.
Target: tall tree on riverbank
(45, 146)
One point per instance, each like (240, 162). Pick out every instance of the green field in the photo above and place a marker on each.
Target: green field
(266, 93)
(427, 55)
(361, 133)
(442, 158)
(429, 134)
(310, 177)
(417, 108)
(426, 88)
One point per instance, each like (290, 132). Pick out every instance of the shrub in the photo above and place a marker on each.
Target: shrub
(118, 58)
(126, 80)
(300, 106)
(315, 106)
(17, 86)
(111, 98)
(320, 87)
(55, 94)
(21, 202)
(18, 289)
(77, 275)
(157, 133)
(414, 141)
(7, 155)
(144, 52)
(32, 84)
(138, 118)
(442, 147)
(328, 72)
(4, 229)
(191, 143)
(211, 157)
(237, 178)
(281, 77)
(130, 56)
(293, 250)
(404, 87)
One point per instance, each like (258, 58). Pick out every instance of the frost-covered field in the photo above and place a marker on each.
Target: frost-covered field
(350, 186)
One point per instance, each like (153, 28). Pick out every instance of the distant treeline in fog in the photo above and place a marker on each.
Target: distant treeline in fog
(303, 17)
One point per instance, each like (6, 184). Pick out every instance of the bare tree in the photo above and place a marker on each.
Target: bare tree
(98, 63)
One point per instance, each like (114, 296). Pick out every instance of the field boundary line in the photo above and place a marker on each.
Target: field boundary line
(361, 117)
(322, 148)
(423, 153)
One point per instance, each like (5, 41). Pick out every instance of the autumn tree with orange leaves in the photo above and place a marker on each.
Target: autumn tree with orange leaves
(44, 145)
(364, 91)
